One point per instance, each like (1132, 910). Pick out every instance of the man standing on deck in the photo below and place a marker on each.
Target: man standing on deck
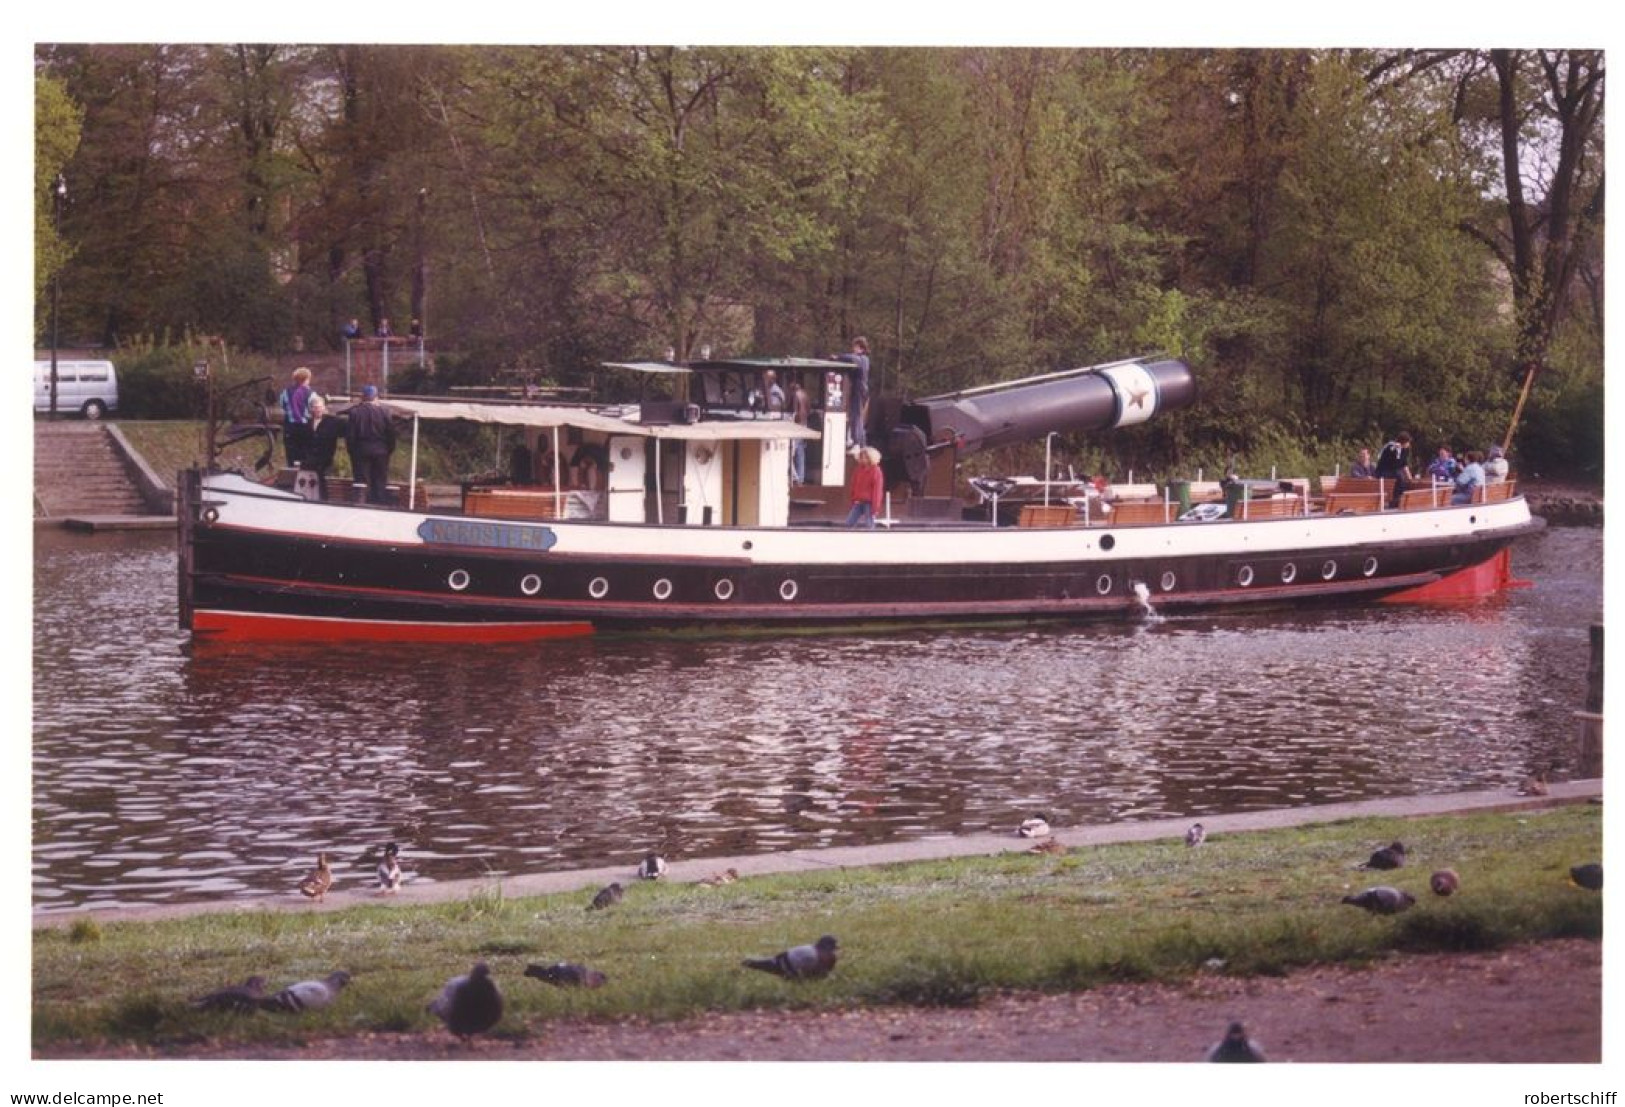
(800, 412)
(859, 409)
(1394, 463)
(370, 437)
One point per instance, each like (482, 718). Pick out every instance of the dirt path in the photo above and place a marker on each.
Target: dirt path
(1539, 1003)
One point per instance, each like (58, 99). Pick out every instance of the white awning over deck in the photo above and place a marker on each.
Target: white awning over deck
(547, 417)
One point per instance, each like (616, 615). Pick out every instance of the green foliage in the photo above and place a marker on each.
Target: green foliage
(1319, 232)
(1562, 435)
(156, 378)
(57, 122)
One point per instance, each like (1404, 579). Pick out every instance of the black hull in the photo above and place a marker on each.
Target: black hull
(295, 577)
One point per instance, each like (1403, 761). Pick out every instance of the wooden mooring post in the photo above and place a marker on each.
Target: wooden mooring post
(1590, 767)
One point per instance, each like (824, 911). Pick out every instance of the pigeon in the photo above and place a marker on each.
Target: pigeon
(1445, 882)
(799, 962)
(389, 870)
(1196, 835)
(652, 867)
(307, 995)
(469, 1004)
(1388, 857)
(1048, 845)
(1235, 1046)
(318, 880)
(1035, 827)
(607, 895)
(566, 975)
(1382, 900)
(1587, 876)
(239, 998)
(716, 880)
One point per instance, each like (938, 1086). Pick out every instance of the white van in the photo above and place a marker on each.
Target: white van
(88, 387)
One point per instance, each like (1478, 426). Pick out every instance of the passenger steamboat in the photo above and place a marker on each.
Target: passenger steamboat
(689, 518)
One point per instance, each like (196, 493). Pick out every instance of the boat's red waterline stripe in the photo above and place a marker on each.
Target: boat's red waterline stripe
(235, 626)
(1484, 579)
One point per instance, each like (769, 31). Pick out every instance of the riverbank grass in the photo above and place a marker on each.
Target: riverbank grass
(929, 933)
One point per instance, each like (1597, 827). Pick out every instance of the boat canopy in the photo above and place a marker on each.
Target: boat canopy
(551, 416)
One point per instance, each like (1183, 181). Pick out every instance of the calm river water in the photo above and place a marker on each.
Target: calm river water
(165, 774)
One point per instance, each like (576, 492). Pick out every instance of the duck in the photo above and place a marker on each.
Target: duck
(1382, 900)
(607, 895)
(716, 880)
(1196, 835)
(1048, 845)
(565, 975)
(809, 962)
(308, 995)
(238, 998)
(318, 880)
(389, 870)
(470, 1004)
(1035, 827)
(652, 867)
(1445, 882)
(1391, 856)
(1587, 876)
(1236, 1046)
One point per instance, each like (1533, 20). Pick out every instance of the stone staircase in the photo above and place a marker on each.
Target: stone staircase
(78, 472)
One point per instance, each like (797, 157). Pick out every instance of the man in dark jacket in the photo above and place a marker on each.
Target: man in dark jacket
(1394, 463)
(370, 437)
(325, 432)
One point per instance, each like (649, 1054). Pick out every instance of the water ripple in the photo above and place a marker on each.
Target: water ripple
(165, 774)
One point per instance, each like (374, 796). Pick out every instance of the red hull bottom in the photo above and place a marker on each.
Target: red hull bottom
(236, 627)
(1484, 579)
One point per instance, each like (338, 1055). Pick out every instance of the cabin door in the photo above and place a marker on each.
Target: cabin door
(665, 457)
(744, 481)
(627, 468)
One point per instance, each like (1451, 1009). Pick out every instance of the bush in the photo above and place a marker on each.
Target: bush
(157, 379)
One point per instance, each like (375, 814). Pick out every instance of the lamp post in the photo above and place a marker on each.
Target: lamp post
(420, 280)
(59, 193)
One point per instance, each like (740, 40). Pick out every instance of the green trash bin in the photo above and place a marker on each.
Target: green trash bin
(1179, 493)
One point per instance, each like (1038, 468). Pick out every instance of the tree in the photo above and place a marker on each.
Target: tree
(1552, 99)
(57, 122)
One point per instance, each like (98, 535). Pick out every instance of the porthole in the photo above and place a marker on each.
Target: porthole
(1107, 541)
(1289, 573)
(788, 590)
(747, 545)
(1168, 581)
(1370, 566)
(662, 589)
(1103, 584)
(531, 584)
(458, 580)
(598, 588)
(1244, 576)
(724, 589)
(1328, 570)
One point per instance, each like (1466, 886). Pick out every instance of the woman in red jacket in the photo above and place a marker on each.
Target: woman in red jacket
(867, 490)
